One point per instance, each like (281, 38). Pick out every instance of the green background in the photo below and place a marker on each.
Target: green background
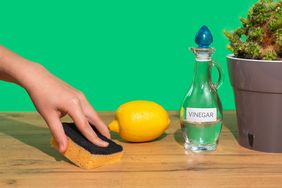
(116, 51)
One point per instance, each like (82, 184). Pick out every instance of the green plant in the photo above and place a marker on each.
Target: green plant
(260, 37)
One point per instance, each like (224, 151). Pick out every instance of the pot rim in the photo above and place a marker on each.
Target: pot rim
(232, 56)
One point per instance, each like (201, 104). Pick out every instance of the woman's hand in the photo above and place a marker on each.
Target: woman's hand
(53, 99)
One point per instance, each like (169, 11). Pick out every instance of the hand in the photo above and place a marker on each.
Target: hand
(53, 99)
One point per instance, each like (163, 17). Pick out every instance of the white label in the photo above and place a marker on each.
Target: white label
(200, 115)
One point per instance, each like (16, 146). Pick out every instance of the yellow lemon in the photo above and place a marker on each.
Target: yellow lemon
(140, 121)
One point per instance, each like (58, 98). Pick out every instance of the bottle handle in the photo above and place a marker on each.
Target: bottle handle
(220, 74)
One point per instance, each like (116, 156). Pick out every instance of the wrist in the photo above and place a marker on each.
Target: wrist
(30, 75)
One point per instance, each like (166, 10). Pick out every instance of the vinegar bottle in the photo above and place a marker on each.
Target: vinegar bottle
(201, 112)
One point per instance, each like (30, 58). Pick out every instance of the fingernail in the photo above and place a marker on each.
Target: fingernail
(108, 135)
(63, 147)
(104, 144)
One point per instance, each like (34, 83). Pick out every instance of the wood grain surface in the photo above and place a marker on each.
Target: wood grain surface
(28, 160)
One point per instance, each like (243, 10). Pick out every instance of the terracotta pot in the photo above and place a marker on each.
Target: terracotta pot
(257, 86)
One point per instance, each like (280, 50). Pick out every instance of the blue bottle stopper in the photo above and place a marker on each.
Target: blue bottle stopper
(204, 37)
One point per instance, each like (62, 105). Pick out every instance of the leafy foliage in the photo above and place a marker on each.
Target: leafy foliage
(260, 36)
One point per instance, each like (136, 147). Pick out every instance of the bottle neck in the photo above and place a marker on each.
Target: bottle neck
(203, 57)
(201, 72)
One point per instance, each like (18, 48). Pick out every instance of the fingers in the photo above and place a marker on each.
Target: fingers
(96, 121)
(57, 131)
(84, 127)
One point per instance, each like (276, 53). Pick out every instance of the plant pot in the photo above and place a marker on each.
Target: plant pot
(257, 85)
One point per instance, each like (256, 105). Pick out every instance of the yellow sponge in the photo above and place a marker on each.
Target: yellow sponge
(85, 154)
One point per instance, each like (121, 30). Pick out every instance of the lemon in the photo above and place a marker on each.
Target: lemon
(140, 121)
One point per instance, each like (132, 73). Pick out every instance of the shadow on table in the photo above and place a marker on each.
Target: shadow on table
(37, 137)
(230, 122)
(178, 137)
(115, 136)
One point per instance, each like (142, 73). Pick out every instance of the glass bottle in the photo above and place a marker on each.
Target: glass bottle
(201, 112)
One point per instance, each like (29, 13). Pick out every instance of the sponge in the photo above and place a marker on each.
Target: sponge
(85, 154)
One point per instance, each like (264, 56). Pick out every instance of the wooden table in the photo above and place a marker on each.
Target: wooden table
(27, 160)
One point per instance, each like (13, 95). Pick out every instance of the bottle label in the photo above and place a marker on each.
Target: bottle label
(200, 115)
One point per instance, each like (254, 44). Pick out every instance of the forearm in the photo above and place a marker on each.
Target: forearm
(14, 68)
